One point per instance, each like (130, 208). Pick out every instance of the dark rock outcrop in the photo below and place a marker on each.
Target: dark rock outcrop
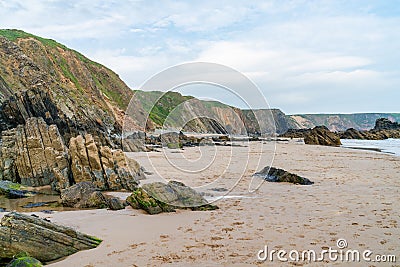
(272, 174)
(383, 129)
(321, 135)
(40, 238)
(158, 197)
(385, 124)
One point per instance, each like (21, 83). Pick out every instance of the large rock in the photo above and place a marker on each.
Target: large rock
(83, 195)
(159, 197)
(34, 154)
(40, 238)
(272, 174)
(107, 169)
(321, 135)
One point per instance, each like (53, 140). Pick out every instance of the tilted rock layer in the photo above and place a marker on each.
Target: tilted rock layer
(40, 238)
(35, 155)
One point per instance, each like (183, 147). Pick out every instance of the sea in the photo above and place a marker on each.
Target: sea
(391, 146)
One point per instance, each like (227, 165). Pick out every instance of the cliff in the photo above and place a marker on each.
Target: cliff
(341, 122)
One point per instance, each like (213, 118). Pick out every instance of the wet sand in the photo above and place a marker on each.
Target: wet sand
(355, 196)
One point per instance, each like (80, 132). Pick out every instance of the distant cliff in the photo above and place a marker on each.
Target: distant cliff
(342, 122)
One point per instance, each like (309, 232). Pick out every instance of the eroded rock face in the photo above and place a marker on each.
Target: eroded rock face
(40, 238)
(35, 155)
(107, 169)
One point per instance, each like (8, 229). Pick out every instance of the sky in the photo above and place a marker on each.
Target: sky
(305, 56)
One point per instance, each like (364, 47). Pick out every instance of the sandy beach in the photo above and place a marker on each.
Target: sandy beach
(355, 197)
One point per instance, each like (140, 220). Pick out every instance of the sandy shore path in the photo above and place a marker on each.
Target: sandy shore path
(355, 197)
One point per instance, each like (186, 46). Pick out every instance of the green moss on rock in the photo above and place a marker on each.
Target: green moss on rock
(25, 262)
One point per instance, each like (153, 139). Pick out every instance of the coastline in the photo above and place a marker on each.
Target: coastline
(351, 198)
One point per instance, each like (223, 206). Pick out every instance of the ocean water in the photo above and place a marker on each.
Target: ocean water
(391, 146)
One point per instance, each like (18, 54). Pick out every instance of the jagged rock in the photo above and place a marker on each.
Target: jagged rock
(34, 155)
(386, 124)
(42, 78)
(25, 262)
(272, 174)
(14, 190)
(106, 168)
(158, 197)
(321, 135)
(40, 238)
(83, 195)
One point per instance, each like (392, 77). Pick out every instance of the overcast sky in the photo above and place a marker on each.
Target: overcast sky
(305, 56)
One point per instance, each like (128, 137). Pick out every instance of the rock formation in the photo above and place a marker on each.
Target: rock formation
(107, 169)
(34, 155)
(385, 124)
(319, 135)
(83, 195)
(159, 197)
(40, 238)
(272, 174)
(383, 129)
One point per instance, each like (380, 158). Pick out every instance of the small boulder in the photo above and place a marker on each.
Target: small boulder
(115, 204)
(83, 195)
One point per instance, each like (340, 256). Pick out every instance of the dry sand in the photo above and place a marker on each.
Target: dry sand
(355, 196)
